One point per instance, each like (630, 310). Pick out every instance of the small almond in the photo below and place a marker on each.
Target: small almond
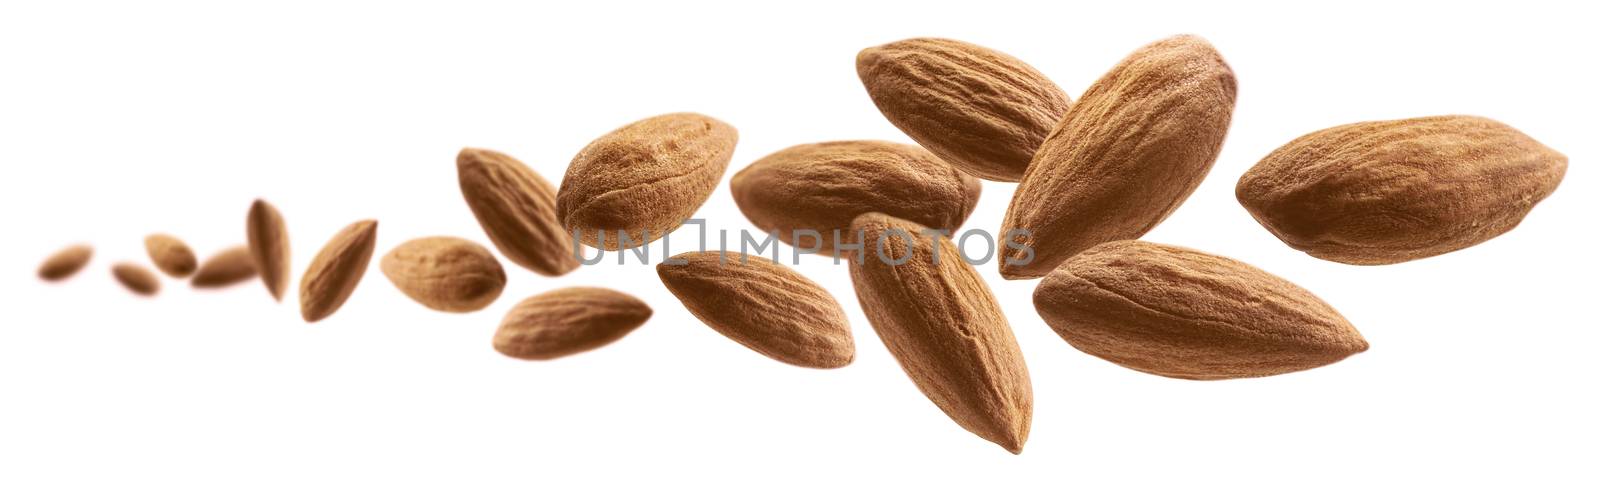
(568, 321)
(225, 268)
(445, 273)
(336, 270)
(762, 305)
(65, 262)
(269, 246)
(517, 209)
(1182, 313)
(136, 278)
(170, 255)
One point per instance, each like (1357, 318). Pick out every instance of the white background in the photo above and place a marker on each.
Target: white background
(118, 119)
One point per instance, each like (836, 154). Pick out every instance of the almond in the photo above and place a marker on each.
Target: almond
(1384, 192)
(517, 209)
(643, 179)
(764, 306)
(65, 262)
(567, 321)
(269, 246)
(336, 270)
(445, 273)
(136, 278)
(942, 324)
(170, 255)
(981, 110)
(1182, 313)
(225, 268)
(1123, 158)
(822, 187)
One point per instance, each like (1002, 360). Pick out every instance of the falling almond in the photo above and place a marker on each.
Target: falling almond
(336, 270)
(269, 246)
(764, 306)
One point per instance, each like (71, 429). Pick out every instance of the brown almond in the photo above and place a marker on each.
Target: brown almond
(981, 110)
(762, 305)
(517, 209)
(643, 179)
(65, 262)
(336, 270)
(821, 187)
(269, 246)
(136, 278)
(567, 321)
(445, 273)
(170, 255)
(1383, 192)
(225, 268)
(943, 325)
(1125, 156)
(1182, 313)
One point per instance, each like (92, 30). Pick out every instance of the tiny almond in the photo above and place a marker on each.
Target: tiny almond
(568, 321)
(269, 246)
(170, 255)
(225, 268)
(65, 262)
(136, 278)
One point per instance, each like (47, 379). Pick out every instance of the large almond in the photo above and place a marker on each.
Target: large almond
(764, 306)
(170, 255)
(445, 273)
(1182, 313)
(1125, 156)
(643, 180)
(568, 321)
(822, 187)
(268, 238)
(1384, 192)
(942, 324)
(517, 209)
(225, 268)
(65, 262)
(136, 278)
(336, 270)
(981, 110)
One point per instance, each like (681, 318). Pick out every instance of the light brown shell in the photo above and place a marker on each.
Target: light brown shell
(648, 176)
(336, 270)
(170, 255)
(762, 305)
(1125, 156)
(824, 186)
(568, 321)
(983, 111)
(65, 262)
(517, 209)
(225, 268)
(1384, 192)
(445, 273)
(136, 278)
(268, 239)
(943, 325)
(1182, 313)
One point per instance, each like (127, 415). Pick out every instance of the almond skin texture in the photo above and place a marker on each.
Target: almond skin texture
(764, 306)
(1182, 313)
(136, 278)
(824, 186)
(445, 273)
(942, 324)
(225, 268)
(648, 176)
(1125, 156)
(1384, 192)
(171, 255)
(517, 209)
(983, 111)
(567, 321)
(65, 262)
(269, 246)
(336, 270)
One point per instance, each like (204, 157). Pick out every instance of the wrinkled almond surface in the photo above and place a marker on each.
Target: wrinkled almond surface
(170, 255)
(1125, 156)
(567, 321)
(517, 209)
(824, 186)
(336, 270)
(1384, 192)
(445, 273)
(136, 278)
(1182, 313)
(762, 305)
(981, 110)
(942, 324)
(65, 262)
(268, 238)
(648, 176)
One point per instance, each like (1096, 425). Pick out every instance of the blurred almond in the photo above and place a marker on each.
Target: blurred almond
(136, 278)
(269, 246)
(65, 262)
(170, 255)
